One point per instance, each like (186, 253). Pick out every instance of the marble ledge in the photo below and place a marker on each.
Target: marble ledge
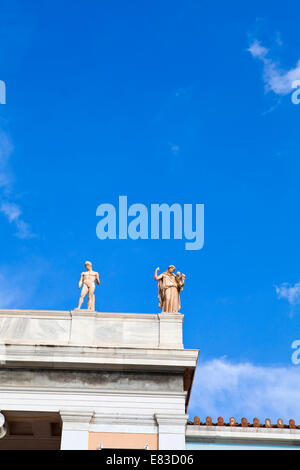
(68, 314)
(86, 328)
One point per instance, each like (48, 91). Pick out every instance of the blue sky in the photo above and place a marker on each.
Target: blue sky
(165, 102)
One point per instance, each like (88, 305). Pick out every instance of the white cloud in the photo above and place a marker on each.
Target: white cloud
(9, 208)
(275, 77)
(257, 50)
(223, 388)
(24, 230)
(288, 292)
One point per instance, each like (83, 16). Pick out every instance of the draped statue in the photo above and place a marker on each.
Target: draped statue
(169, 288)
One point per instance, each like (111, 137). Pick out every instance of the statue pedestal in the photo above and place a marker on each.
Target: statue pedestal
(170, 330)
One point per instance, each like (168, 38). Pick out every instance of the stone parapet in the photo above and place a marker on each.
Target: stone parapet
(85, 328)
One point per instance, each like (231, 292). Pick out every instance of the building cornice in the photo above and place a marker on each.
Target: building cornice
(89, 357)
(215, 434)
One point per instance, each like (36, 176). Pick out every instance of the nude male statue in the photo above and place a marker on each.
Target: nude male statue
(87, 282)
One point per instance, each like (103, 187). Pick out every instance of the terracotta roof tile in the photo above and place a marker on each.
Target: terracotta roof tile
(244, 423)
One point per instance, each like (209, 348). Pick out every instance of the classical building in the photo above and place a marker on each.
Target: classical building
(83, 380)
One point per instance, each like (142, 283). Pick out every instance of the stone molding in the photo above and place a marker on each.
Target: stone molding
(89, 357)
(76, 416)
(122, 418)
(241, 435)
(164, 419)
(76, 420)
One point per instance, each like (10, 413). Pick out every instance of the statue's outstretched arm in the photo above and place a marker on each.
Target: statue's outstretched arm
(80, 282)
(156, 277)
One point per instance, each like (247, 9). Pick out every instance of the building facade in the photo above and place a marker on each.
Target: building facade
(88, 380)
(84, 380)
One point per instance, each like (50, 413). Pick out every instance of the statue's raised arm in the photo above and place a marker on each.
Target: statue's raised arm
(156, 277)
